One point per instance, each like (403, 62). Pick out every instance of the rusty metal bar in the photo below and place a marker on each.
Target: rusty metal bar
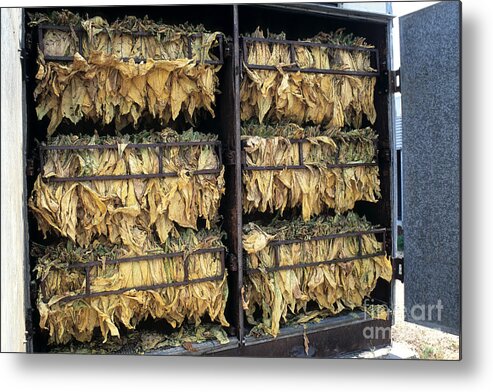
(313, 264)
(276, 244)
(294, 167)
(141, 288)
(291, 44)
(216, 144)
(277, 257)
(186, 281)
(220, 41)
(129, 176)
(137, 59)
(189, 47)
(160, 159)
(311, 70)
(292, 54)
(307, 43)
(131, 145)
(328, 237)
(300, 154)
(153, 256)
(301, 164)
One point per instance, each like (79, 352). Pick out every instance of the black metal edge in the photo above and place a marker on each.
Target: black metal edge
(327, 10)
(238, 173)
(350, 318)
(389, 63)
(199, 349)
(27, 289)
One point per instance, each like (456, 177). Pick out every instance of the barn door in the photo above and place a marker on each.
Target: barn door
(431, 125)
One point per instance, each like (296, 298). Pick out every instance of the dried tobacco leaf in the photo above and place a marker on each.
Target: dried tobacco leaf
(146, 341)
(337, 100)
(317, 187)
(332, 287)
(78, 319)
(128, 37)
(126, 211)
(99, 85)
(104, 88)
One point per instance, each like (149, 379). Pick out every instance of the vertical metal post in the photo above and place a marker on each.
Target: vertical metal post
(300, 153)
(160, 159)
(292, 54)
(237, 173)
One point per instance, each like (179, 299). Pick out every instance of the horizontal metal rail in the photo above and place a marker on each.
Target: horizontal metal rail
(301, 160)
(159, 146)
(359, 234)
(139, 34)
(186, 266)
(294, 67)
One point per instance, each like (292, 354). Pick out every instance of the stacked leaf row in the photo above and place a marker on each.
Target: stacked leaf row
(305, 152)
(132, 219)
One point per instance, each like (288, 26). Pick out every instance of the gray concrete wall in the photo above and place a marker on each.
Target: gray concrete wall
(430, 75)
(12, 193)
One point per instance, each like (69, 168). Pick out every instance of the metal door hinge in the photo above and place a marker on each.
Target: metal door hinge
(395, 81)
(398, 269)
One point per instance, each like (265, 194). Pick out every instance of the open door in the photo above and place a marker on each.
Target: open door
(431, 124)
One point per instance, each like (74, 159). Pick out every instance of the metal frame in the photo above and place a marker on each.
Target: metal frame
(79, 31)
(359, 234)
(186, 281)
(43, 27)
(159, 146)
(341, 337)
(295, 68)
(301, 163)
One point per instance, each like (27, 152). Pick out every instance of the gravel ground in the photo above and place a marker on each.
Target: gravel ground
(427, 343)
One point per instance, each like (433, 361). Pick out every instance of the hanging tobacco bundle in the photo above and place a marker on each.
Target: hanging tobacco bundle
(67, 318)
(126, 211)
(317, 187)
(338, 100)
(99, 85)
(332, 287)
